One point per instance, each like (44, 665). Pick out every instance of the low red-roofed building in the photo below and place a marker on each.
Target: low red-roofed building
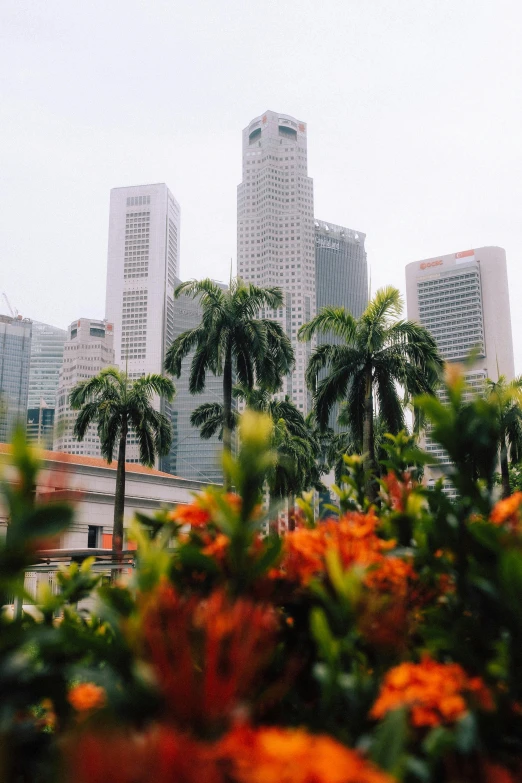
(88, 482)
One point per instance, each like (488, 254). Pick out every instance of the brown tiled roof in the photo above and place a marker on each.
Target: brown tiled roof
(93, 462)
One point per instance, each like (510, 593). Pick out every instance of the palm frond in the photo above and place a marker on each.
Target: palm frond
(335, 320)
(209, 417)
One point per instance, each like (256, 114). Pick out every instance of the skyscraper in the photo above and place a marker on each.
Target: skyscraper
(46, 360)
(191, 457)
(87, 350)
(341, 270)
(463, 300)
(275, 231)
(341, 275)
(15, 352)
(142, 265)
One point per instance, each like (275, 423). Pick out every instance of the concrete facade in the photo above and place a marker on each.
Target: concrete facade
(463, 300)
(275, 229)
(87, 350)
(89, 484)
(142, 265)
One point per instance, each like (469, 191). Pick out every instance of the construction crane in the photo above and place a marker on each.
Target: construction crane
(14, 313)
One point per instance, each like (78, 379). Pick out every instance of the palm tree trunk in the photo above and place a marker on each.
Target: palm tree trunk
(291, 511)
(119, 496)
(227, 408)
(368, 438)
(504, 467)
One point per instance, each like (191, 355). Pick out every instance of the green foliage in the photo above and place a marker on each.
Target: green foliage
(449, 588)
(375, 354)
(233, 342)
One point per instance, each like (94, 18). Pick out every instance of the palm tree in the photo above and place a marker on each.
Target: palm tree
(119, 406)
(507, 397)
(379, 352)
(209, 416)
(232, 340)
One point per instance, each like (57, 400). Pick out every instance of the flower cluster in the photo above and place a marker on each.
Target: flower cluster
(208, 655)
(244, 755)
(396, 491)
(354, 537)
(508, 513)
(434, 693)
(87, 697)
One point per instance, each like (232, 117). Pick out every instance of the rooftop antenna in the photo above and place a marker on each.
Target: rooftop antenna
(14, 313)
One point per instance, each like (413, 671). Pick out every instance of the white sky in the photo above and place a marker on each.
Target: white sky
(414, 112)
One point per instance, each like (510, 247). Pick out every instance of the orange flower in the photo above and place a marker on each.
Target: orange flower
(277, 755)
(203, 509)
(507, 512)
(87, 696)
(208, 655)
(396, 491)
(435, 693)
(392, 575)
(354, 537)
(191, 514)
(245, 755)
(217, 548)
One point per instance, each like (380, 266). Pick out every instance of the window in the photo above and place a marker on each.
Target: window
(93, 536)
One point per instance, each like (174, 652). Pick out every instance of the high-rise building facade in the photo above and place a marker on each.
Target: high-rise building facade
(341, 276)
(275, 231)
(142, 265)
(87, 350)
(191, 457)
(15, 353)
(463, 300)
(46, 360)
(341, 269)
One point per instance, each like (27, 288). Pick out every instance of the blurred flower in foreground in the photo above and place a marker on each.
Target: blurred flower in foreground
(245, 755)
(278, 755)
(507, 512)
(87, 696)
(202, 509)
(209, 655)
(435, 693)
(354, 537)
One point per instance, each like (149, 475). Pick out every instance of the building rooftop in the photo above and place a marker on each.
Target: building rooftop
(93, 462)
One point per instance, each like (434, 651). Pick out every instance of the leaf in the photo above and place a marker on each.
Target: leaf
(511, 580)
(438, 742)
(193, 559)
(45, 521)
(273, 545)
(118, 598)
(390, 736)
(466, 733)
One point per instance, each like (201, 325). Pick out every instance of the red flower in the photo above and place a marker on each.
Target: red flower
(208, 655)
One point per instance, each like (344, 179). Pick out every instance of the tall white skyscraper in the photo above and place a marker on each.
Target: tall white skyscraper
(142, 265)
(275, 231)
(87, 350)
(463, 300)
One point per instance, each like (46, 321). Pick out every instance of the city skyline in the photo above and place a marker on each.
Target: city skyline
(414, 130)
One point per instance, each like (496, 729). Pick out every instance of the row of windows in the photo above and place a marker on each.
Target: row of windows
(137, 201)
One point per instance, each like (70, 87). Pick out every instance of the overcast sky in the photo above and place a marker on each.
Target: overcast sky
(414, 112)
